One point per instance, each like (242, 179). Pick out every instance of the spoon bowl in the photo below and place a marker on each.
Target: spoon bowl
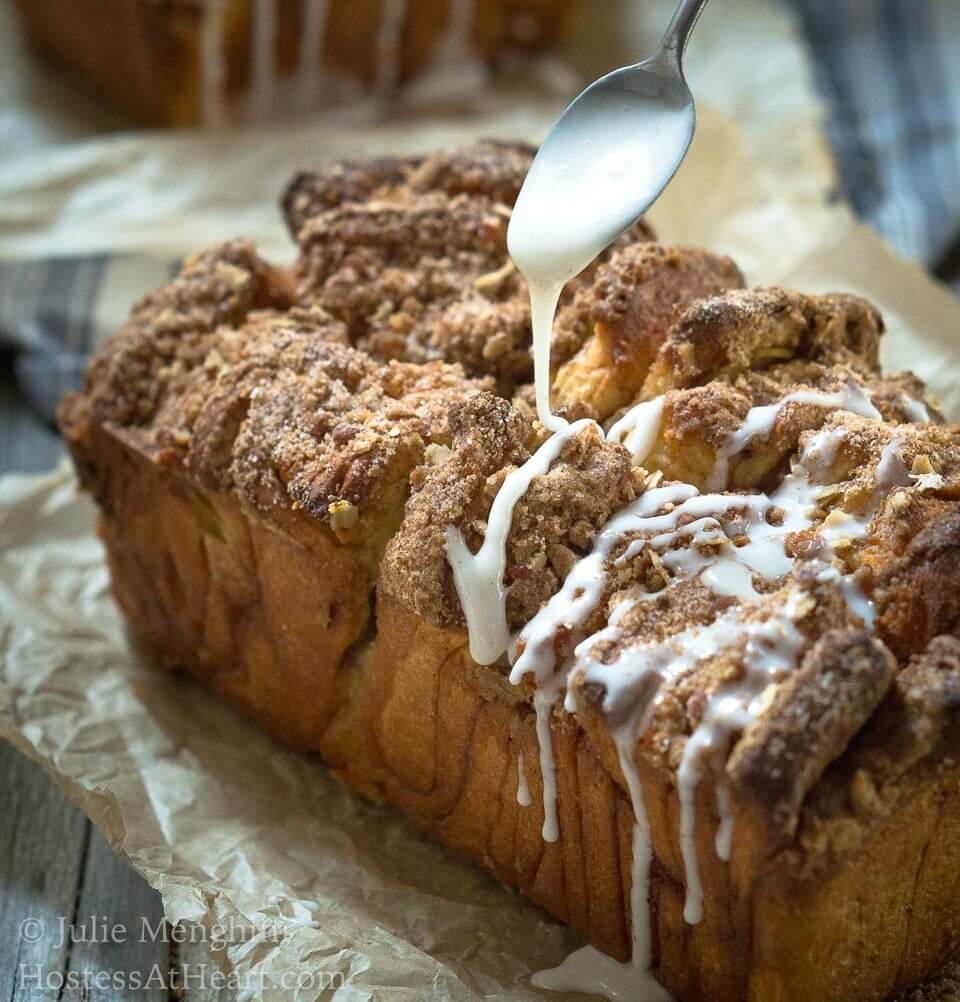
(605, 161)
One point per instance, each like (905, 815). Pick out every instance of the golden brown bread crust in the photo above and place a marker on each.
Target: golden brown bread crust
(456, 773)
(267, 447)
(214, 588)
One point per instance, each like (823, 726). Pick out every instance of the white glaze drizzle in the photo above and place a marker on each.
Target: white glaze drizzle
(583, 586)
(770, 651)
(916, 410)
(213, 71)
(637, 675)
(760, 421)
(544, 700)
(891, 470)
(523, 788)
(771, 646)
(389, 41)
(821, 451)
(479, 576)
(724, 841)
(637, 430)
(625, 738)
(857, 601)
(316, 17)
(543, 305)
(263, 58)
(589, 970)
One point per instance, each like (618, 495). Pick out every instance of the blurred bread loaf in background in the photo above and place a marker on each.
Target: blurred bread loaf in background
(219, 62)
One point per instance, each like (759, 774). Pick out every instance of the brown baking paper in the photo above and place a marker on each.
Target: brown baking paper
(236, 832)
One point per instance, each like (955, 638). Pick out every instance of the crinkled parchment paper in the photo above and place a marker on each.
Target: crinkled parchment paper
(237, 832)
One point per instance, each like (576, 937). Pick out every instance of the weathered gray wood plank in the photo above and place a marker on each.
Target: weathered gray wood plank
(43, 844)
(120, 951)
(57, 871)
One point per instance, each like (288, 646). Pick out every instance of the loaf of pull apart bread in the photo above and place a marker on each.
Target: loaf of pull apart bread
(216, 62)
(721, 740)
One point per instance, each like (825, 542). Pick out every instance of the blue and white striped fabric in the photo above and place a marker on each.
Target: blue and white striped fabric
(889, 74)
(52, 313)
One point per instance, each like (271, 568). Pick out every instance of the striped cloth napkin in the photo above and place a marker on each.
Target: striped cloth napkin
(52, 313)
(889, 75)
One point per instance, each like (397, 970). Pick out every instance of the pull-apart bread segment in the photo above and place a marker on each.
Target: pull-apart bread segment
(707, 709)
(250, 466)
(627, 309)
(418, 267)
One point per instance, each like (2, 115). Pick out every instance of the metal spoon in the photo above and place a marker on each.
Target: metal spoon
(606, 160)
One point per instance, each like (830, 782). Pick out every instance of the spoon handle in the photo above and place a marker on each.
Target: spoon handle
(678, 31)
